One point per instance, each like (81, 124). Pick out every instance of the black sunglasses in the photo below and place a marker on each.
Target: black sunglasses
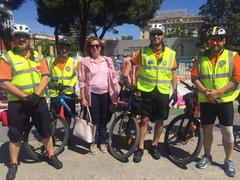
(156, 33)
(95, 45)
(21, 36)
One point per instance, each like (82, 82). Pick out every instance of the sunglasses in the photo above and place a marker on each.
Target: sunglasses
(95, 46)
(21, 36)
(156, 34)
(215, 39)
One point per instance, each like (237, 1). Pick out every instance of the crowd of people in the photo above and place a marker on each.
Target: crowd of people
(25, 75)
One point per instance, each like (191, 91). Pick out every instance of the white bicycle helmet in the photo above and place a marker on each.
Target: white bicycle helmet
(62, 40)
(157, 27)
(21, 28)
(216, 31)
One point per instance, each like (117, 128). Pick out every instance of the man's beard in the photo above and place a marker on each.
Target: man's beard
(156, 42)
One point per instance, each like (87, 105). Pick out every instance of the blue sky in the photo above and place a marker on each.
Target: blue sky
(27, 14)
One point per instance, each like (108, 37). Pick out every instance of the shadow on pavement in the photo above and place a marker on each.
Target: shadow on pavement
(77, 145)
(5, 159)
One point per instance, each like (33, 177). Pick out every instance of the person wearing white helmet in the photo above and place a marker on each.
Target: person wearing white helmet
(156, 76)
(21, 29)
(216, 73)
(24, 75)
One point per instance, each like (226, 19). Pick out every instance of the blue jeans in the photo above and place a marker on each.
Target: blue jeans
(100, 115)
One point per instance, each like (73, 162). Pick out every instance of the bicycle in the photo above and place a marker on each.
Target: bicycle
(59, 130)
(184, 135)
(124, 132)
(236, 131)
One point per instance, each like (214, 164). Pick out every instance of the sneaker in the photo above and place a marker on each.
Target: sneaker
(229, 168)
(138, 155)
(204, 162)
(55, 162)
(93, 149)
(103, 148)
(155, 152)
(12, 171)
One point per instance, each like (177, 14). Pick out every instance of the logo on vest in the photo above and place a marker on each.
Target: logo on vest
(68, 69)
(150, 61)
(164, 63)
(222, 63)
(38, 68)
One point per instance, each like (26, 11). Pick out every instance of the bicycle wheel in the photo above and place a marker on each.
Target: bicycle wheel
(123, 136)
(183, 139)
(60, 134)
(236, 132)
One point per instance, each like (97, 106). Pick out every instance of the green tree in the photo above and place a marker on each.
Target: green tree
(97, 16)
(5, 6)
(225, 13)
(54, 15)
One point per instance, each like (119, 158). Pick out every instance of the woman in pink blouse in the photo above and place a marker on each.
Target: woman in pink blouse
(98, 90)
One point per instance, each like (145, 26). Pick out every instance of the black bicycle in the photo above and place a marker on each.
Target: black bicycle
(236, 131)
(184, 135)
(124, 130)
(59, 128)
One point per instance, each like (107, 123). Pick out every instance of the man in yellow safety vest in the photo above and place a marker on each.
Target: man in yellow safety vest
(24, 75)
(216, 73)
(156, 75)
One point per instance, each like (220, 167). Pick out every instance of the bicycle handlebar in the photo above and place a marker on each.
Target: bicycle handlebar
(191, 88)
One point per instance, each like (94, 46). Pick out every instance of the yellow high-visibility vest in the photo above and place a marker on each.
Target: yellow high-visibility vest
(67, 76)
(26, 73)
(218, 76)
(155, 72)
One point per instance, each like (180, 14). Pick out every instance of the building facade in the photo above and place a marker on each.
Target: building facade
(177, 23)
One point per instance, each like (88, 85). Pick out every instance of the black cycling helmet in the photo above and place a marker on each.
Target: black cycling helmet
(216, 31)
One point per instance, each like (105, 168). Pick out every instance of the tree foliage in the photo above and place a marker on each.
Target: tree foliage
(225, 13)
(5, 6)
(95, 16)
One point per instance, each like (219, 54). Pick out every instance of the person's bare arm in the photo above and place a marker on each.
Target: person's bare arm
(43, 84)
(9, 87)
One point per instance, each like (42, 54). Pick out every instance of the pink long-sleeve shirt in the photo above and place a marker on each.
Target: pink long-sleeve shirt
(99, 76)
(85, 72)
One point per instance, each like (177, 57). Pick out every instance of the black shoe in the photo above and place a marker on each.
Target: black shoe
(155, 152)
(138, 155)
(55, 162)
(12, 171)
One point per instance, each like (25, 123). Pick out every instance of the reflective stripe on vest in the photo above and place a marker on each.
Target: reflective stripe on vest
(67, 76)
(26, 74)
(155, 72)
(218, 76)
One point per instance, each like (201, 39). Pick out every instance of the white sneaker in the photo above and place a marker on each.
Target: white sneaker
(93, 149)
(103, 148)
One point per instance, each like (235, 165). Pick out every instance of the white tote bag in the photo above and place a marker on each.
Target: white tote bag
(83, 128)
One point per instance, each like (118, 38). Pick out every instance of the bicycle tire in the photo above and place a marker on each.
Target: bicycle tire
(60, 135)
(194, 136)
(120, 146)
(236, 133)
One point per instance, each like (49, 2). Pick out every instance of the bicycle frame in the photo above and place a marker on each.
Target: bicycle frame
(61, 98)
(191, 110)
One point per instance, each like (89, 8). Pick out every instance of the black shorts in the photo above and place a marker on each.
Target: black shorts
(19, 117)
(224, 112)
(56, 105)
(155, 105)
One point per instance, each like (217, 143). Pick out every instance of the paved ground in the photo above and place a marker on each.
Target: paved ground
(80, 165)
